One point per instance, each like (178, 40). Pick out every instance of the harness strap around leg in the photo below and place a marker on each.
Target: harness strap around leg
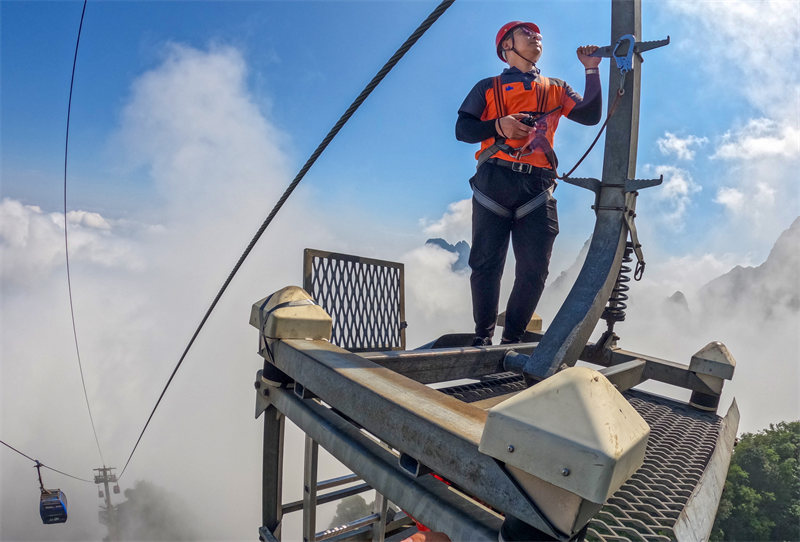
(517, 214)
(490, 204)
(527, 208)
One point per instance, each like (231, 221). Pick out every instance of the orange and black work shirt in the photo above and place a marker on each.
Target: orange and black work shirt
(530, 93)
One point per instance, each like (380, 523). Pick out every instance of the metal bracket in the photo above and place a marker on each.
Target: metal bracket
(634, 185)
(622, 52)
(262, 394)
(585, 182)
(265, 535)
(630, 185)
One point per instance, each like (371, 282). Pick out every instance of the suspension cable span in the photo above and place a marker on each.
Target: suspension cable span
(66, 237)
(412, 39)
(36, 461)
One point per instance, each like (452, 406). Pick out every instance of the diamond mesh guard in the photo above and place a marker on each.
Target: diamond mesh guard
(364, 296)
(646, 507)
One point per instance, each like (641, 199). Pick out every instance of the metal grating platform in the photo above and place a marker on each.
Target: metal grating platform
(648, 506)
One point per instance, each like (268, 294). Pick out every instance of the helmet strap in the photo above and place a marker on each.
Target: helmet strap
(514, 48)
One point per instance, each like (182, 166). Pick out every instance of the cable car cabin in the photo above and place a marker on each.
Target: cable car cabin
(53, 506)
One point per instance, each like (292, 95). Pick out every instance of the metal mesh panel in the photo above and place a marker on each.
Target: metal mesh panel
(364, 296)
(648, 505)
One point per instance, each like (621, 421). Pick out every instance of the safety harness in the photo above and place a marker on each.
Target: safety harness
(535, 140)
(520, 212)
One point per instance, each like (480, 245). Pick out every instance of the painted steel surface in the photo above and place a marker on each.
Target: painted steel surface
(565, 339)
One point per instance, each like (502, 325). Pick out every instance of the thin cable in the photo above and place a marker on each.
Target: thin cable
(611, 111)
(66, 237)
(45, 466)
(412, 39)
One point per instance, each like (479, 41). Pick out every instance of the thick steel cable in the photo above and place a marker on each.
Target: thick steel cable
(45, 466)
(66, 237)
(412, 39)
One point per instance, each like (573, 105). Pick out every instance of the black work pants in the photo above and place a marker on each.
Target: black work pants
(532, 239)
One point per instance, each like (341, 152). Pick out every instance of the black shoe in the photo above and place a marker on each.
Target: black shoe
(509, 341)
(481, 341)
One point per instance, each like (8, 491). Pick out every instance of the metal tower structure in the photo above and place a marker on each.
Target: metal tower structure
(536, 447)
(108, 515)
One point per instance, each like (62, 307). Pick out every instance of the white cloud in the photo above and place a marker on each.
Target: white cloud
(680, 147)
(760, 139)
(139, 294)
(761, 160)
(741, 46)
(194, 124)
(751, 204)
(455, 225)
(434, 287)
(730, 198)
(85, 218)
(32, 243)
(750, 44)
(689, 272)
(675, 194)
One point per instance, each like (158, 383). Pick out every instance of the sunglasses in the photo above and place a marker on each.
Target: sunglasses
(528, 33)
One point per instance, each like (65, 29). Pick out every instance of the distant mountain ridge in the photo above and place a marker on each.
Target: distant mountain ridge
(766, 291)
(461, 249)
(762, 291)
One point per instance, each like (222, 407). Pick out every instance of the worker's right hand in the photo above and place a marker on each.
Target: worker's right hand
(510, 126)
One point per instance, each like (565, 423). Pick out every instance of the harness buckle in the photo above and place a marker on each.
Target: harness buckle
(521, 167)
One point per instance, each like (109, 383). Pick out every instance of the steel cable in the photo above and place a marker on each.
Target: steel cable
(66, 237)
(412, 39)
(45, 466)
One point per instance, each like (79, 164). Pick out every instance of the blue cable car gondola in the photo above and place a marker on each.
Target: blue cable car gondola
(53, 506)
(52, 503)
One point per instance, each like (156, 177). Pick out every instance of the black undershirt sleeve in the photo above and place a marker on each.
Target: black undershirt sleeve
(471, 129)
(589, 110)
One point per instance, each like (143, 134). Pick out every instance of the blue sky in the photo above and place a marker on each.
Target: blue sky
(190, 118)
(305, 62)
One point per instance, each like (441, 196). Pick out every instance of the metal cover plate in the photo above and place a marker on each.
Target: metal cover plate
(648, 506)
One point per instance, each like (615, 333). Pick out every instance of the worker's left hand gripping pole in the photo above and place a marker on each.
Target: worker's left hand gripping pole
(289, 313)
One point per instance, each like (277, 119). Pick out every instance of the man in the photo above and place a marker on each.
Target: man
(514, 116)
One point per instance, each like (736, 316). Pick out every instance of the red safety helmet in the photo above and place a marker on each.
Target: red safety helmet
(505, 29)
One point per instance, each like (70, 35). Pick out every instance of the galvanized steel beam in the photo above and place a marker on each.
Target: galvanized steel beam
(443, 364)
(337, 495)
(272, 473)
(694, 522)
(427, 499)
(625, 375)
(310, 464)
(438, 431)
